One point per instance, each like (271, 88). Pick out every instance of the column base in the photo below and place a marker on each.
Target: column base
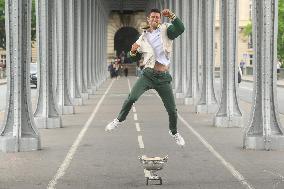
(48, 123)
(77, 101)
(85, 96)
(90, 91)
(235, 121)
(275, 142)
(24, 144)
(66, 110)
(180, 95)
(189, 101)
(204, 108)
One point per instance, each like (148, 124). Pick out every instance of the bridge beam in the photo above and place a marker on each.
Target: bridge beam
(264, 130)
(19, 132)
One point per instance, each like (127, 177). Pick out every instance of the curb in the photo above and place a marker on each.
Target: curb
(250, 81)
(3, 83)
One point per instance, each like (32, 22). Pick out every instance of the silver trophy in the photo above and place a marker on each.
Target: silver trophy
(151, 165)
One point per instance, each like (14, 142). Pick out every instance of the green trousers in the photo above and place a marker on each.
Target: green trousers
(161, 82)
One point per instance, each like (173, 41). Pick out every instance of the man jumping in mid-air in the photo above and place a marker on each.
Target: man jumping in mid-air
(155, 44)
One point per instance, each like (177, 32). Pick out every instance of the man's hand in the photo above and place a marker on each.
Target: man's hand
(134, 47)
(166, 12)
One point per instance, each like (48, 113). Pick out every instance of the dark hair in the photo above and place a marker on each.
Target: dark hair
(154, 10)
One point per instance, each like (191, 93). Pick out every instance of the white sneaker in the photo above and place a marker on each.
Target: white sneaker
(112, 125)
(178, 138)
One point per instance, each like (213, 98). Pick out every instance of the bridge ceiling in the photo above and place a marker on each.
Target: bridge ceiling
(127, 5)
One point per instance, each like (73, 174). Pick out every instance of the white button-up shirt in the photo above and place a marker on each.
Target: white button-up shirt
(154, 38)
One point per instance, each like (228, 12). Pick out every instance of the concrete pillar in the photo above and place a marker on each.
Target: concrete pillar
(84, 91)
(19, 132)
(264, 130)
(229, 113)
(192, 61)
(177, 58)
(46, 115)
(208, 102)
(63, 99)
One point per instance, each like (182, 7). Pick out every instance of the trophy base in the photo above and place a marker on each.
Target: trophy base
(152, 177)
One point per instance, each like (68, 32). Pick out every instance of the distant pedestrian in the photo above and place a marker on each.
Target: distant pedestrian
(126, 71)
(242, 65)
(2, 65)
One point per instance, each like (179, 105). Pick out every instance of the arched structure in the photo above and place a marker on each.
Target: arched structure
(76, 41)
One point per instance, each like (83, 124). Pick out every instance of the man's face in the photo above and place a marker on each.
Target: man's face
(154, 19)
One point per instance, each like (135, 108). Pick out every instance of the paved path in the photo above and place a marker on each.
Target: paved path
(213, 158)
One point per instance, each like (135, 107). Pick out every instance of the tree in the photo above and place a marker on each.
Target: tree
(280, 39)
(280, 44)
(2, 24)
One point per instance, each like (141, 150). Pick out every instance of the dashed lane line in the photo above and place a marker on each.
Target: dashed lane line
(138, 127)
(135, 117)
(140, 141)
(64, 166)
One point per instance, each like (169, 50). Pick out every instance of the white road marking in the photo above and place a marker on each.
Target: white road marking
(229, 166)
(135, 117)
(129, 85)
(134, 109)
(64, 166)
(140, 141)
(138, 127)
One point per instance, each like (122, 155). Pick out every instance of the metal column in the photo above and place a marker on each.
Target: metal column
(207, 102)
(192, 63)
(264, 130)
(177, 57)
(46, 115)
(19, 132)
(64, 102)
(229, 113)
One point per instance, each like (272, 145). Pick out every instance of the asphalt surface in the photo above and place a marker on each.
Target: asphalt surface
(213, 158)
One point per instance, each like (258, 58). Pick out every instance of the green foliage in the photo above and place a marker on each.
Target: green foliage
(247, 29)
(2, 23)
(280, 44)
(280, 39)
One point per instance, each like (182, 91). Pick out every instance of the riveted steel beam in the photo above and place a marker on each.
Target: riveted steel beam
(177, 57)
(207, 102)
(264, 130)
(64, 103)
(229, 113)
(192, 61)
(18, 132)
(46, 115)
